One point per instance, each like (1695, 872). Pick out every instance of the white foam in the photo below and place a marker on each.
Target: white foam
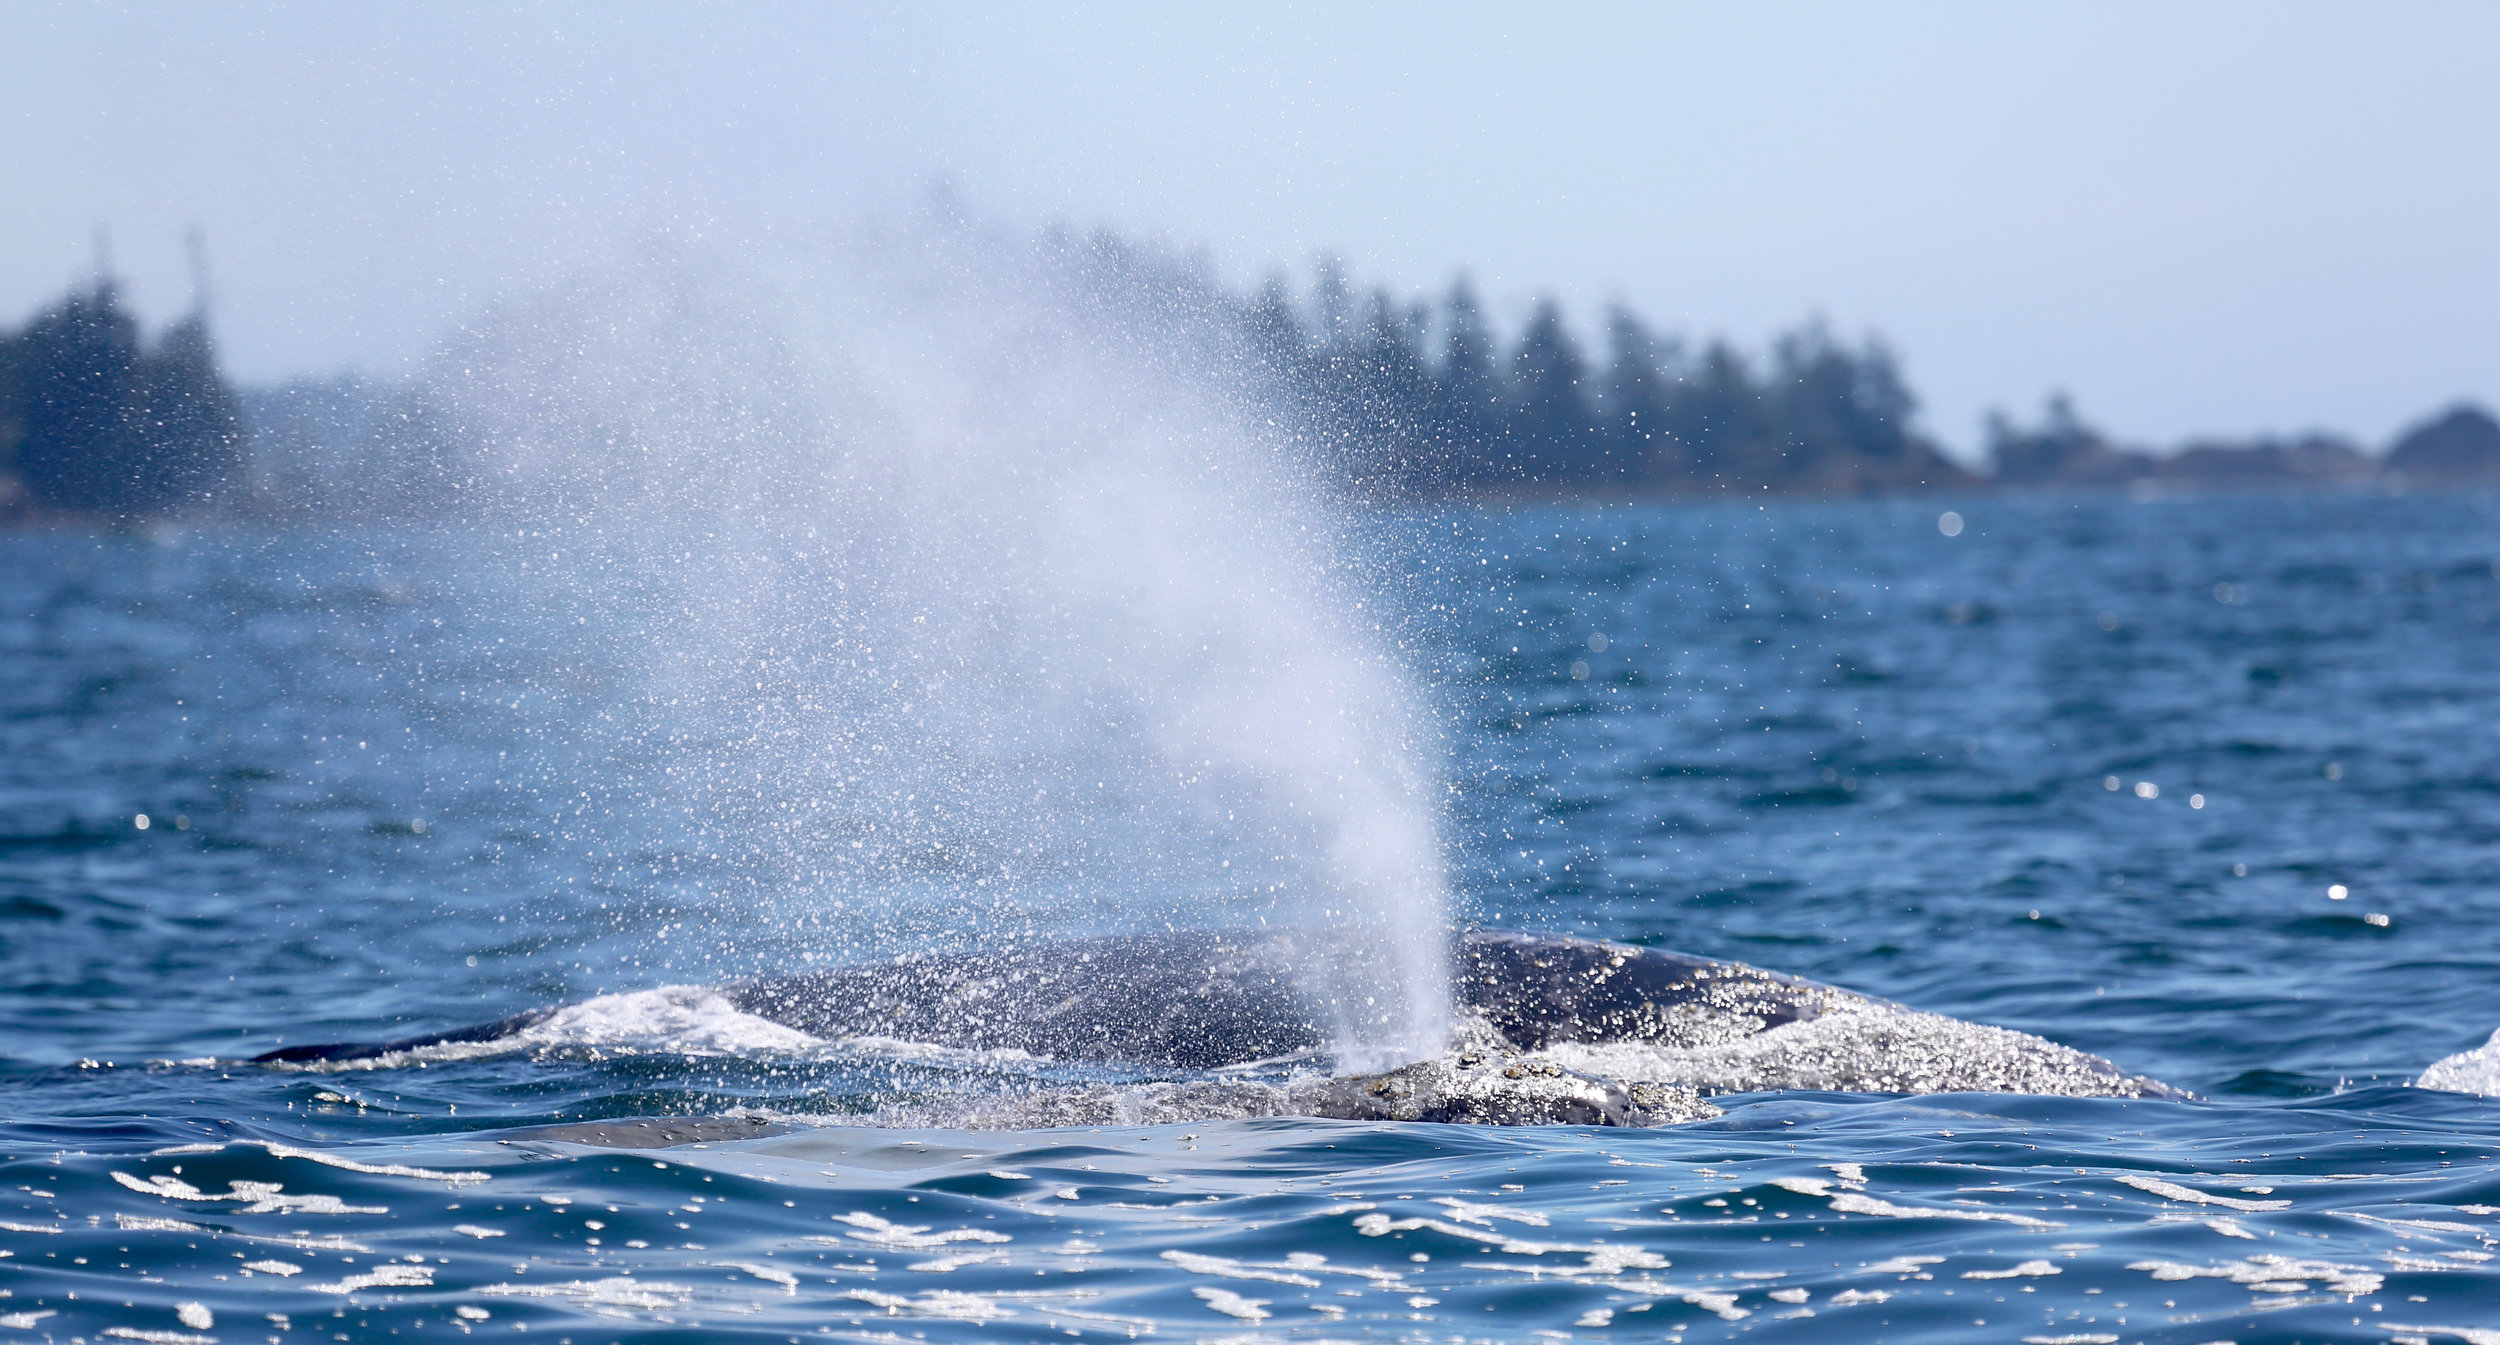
(1850, 1202)
(2227, 1227)
(2190, 1195)
(2416, 1225)
(2270, 1273)
(2471, 1335)
(372, 1169)
(939, 1303)
(614, 1292)
(1602, 1259)
(1470, 1212)
(2475, 1071)
(678, 1019)
(381, 1277)
(1230, 1269)
(140, 1223)
(941, 1265)
(689, 1020)
(1899, 1265)
(2013, 1272)
(769, 1274)
(912, 1237)
(261, 1197)
(1234, 1305)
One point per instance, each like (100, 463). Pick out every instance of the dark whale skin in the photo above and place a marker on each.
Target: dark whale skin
(1204, 1000)
(1542, 989)
(1187, 1001)
(349, 1050)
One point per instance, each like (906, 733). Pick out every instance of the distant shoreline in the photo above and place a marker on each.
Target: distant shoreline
(18, 519)
(1376, 399)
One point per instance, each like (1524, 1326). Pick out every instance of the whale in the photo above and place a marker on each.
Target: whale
(1208, 1000)
(1550, 1028)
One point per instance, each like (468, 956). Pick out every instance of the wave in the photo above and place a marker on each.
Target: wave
(2475, 1071)
(680, 1020)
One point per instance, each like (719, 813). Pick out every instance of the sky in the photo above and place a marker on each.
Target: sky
(2197, 219)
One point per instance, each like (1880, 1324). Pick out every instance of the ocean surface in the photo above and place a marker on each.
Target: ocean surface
(2209, 786)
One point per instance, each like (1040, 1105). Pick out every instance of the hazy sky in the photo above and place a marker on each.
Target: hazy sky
(2199, 218)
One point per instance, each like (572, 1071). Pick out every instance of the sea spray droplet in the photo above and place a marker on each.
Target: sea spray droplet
(1059, 589)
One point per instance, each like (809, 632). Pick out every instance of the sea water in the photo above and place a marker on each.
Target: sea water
(2208, 786)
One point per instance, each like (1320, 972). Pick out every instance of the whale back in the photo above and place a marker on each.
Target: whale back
(1186, 1001)
(1540, 989)
(1204, 1000)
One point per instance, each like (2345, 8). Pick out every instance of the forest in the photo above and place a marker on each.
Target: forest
(1398, 399)
(96, 422)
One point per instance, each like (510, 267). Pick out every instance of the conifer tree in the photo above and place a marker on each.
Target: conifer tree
(79, 369)
(109, 428)
(1718, 420)
(188, 447)
(1469, 392)
(1549, 408)
(1632, 401)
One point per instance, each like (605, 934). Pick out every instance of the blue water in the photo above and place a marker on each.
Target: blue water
(409, 780)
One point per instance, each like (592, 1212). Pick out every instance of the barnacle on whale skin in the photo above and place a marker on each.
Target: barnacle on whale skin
(1524, 1092)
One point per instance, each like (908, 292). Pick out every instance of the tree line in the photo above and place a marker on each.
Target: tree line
(2457, 446)
(1407, 398)
(96, 421)
(1540, 414)
(1392, 398)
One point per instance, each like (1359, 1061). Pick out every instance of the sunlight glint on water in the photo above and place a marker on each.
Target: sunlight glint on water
(1821, 738)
